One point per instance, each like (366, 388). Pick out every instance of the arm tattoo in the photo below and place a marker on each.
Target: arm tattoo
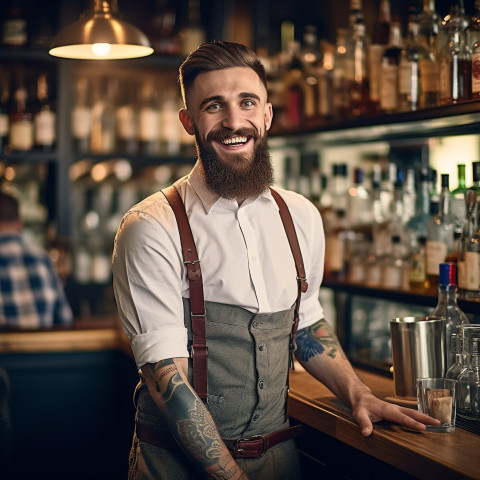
(191, 423)
(317, 339)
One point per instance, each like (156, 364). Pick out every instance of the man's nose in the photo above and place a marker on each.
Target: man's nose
(233, 118)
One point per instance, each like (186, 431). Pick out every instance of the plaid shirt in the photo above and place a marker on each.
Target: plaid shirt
(31, 294)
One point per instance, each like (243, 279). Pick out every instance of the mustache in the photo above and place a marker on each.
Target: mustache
(223, 134)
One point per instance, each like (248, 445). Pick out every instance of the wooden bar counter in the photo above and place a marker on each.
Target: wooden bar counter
(408, 454)
(63, 367)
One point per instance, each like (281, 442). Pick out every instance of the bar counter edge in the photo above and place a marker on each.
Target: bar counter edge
(326, 420)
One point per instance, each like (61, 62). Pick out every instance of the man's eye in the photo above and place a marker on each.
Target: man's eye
(248, 103)
(214, 106)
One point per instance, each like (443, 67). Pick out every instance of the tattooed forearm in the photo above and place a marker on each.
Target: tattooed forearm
(317, 339)
(191, 423)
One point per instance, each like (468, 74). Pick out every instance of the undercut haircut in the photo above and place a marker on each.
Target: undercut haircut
(211, 56)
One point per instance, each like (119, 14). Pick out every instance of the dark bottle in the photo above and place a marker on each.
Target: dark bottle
(4, 105)
(455, 61)
(389, 70)
(162, 30)
(447, 306)
(14, 26)
(380, 39)
(44, 115)
(21, 136)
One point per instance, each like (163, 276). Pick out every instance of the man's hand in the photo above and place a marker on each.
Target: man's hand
(370, 409)
(320, 353)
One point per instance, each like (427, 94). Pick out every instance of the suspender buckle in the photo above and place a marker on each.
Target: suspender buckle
(303, 283)
(189, 262)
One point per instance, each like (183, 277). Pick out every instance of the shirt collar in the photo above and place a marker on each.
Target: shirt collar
(209, 199)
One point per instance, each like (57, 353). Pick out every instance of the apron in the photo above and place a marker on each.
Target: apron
(247, 382)
(248, 365)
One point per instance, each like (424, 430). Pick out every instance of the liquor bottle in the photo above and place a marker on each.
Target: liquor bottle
(4, 110)
(418, 265)
(476, 70)
(339, 190)
(429, 21)
(440, 233)
(103, 135)
(474, 29)
(341, 97)
(373, 274)
(409, 196)
(455, 61)
(45, 115)
(418, 223)
(458, 194)
(456, 349)
(15, 26)
(387, 188)
(335, 245)
(21, 118)
(294, 87)
(161, 28)
(81, 116)
(356, 265)
(447, 306)
(192, 34)
(389, 69)
(357, 69)
(359, 201)
(396, 217)
(468, 230)
(472, 260)
(469, 380)
(380, 39)
(418, 72)
(476, 178)
(393, 265)
(149, 120)
(169, 124)
(310, 57)
(127, 120)
(434, 194)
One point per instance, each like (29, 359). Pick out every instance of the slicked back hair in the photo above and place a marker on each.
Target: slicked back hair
(213, 56)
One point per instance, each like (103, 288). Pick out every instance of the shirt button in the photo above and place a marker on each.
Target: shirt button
(254, 259)
(261, 347)
(255, 417)
(260, 384)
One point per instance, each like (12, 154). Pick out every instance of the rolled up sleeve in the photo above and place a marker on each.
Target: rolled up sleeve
(147, 280)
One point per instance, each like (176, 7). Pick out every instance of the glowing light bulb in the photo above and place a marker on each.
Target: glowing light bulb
(101, 49)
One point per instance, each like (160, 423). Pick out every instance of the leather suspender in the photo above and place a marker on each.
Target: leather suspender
(199, 350)
(297, 256)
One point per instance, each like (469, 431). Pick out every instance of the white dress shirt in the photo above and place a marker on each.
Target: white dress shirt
(245, 260)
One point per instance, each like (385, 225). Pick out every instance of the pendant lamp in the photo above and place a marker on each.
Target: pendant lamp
(99, 34)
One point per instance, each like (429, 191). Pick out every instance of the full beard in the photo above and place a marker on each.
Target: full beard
(242, 177)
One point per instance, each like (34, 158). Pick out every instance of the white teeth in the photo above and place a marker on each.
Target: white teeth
(235, 140)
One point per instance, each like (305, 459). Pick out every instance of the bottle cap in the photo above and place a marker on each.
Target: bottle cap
(448, 274)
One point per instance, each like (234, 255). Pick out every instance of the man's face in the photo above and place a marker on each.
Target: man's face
(228, 114)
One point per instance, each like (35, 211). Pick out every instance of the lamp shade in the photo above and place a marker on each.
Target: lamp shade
(100, 35)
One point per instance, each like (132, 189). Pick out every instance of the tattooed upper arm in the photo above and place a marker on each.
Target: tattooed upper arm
(317, 339)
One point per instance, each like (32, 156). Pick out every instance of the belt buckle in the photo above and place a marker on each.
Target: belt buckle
(238, 451)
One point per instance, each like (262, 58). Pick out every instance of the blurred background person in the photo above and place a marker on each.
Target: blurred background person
(31, 293)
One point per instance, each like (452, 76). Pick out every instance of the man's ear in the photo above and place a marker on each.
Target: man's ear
(268, 115)
(187, 121)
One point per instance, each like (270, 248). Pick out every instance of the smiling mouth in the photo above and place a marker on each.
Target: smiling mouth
(236, 141)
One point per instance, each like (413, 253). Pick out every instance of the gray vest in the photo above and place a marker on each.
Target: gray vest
(248, 365)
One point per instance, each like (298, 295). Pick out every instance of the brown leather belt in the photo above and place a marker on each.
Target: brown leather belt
(249, 447)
